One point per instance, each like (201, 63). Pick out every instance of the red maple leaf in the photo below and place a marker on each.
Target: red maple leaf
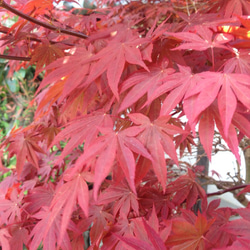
(73, 69)
(123, 227)
(227, 88)
(111, 145)
(201, 39)
(20, 236)
(209, 118)
(178, 85)
(74, 191)
(11, 209)
(101, 220)
(150, 196)
(82, 129)
(184, 235)
(124, 201)
(143, 82)
(39, 197)
(145, 237)
(157, 138)
(124, 47)
(240, 227)
(4, 239)
(238, 64)
(48, 236)
(38, 6)
(235, 7)
(147, 234)
(25, 146)
(186, 189)
(45, 54)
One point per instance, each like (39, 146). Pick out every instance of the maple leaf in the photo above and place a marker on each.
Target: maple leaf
(156, 136)
(109, 96)
(147, 234)
(244, 213)
(135, 243)
(235, 7)
(210, 117)
(178, 84)
(185, 141)
(227, 88)
(153, 241)
(44, 54)
(242, 122)
(124, 228)
(49, 237)
(122, 198)
(206, 131)
(25, 146)
(156, 240)
(240, 243)
(111, 145)
(101, 219)
(152, 197)
(20, 236)
(201, 39)
(82, 129)
(49, 133)
(143, 82)
(238, 227)
(73, 68)
(218, 237)
(123, 48)
(39, 197)
(38, 6)
(4, 238)
(33, 8)
(80, 102)
(186, 188)
(238, 64)
(11, 209)
(74, 191)
(187, 236)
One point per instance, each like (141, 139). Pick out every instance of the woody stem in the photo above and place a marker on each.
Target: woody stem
(17, 58)
(40, 23)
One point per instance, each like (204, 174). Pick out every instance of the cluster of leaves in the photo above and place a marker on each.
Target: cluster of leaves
(124, 90)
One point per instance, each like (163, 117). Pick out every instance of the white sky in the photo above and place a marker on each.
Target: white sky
(224, 162)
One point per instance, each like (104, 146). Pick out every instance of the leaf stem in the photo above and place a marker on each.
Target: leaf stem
(45, 25)
(212, 49)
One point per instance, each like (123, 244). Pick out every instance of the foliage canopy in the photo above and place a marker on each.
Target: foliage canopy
(125, 88)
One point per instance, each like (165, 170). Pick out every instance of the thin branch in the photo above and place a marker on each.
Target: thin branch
(227, 190)
(17, 58)
(45, 25)
(5, 30)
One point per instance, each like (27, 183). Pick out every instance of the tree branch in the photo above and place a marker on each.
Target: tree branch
(227, 190)
(45, 25)
(17, 58)
(5, 30)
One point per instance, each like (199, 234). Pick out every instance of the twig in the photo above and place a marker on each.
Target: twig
(45, 25)
(17, 58)
(227, 190)
(5, 30)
